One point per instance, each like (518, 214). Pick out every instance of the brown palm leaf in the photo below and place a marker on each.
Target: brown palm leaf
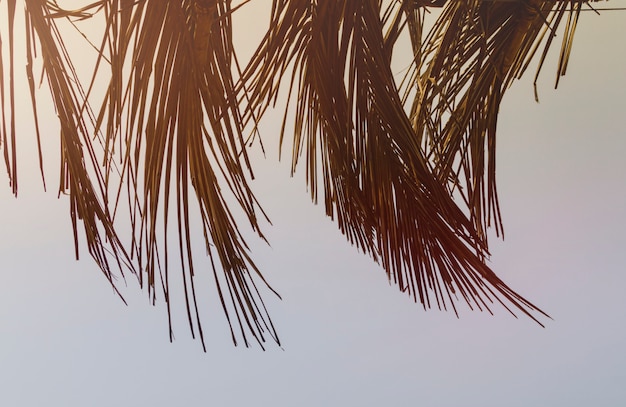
(468, 60)
(80, 177)
(361, 149)
(407, 170)
(168, 132)
(182, 141)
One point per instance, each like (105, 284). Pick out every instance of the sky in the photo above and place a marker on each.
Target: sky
(348, 337)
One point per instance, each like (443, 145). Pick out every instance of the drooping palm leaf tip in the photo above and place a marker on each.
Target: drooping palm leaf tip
(406, 166)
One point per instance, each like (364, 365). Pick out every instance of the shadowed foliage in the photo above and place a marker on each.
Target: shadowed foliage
(404, 165)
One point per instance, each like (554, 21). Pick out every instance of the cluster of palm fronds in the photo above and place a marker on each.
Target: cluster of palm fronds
(406, 167)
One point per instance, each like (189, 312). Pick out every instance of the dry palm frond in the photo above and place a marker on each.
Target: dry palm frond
(351, 127)
(7, 138)
(80, 177)
(467, 62)
(182, 142)
(391, 163)
(168, 134)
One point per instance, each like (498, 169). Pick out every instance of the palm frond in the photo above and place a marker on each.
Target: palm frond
(168, 132)
(360, 148)
(182, 137)
(467, 62)
(79, 176)
(407, 170)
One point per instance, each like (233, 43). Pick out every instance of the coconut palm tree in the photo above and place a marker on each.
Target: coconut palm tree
(404, 165)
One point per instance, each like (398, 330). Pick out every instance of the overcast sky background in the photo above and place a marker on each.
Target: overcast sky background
(349, 338)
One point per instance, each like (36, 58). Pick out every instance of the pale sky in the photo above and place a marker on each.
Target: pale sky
(349, 338)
